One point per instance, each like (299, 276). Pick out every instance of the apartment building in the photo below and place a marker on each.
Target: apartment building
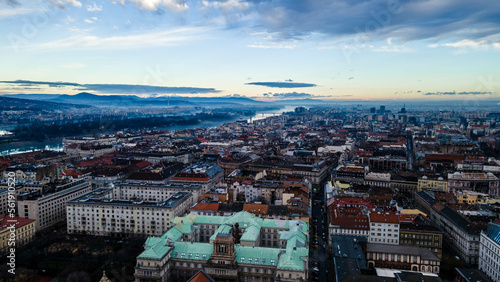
(48, 206)
(98, 214)
(24, 232)
(127, 190)
(489, 251)
(384, 228)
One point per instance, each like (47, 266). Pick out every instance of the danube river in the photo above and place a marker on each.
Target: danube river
(55, 144)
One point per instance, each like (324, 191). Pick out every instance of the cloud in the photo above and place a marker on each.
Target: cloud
(340, 96)
(114, 88)
(12, 3)
(155, 5)
(282, 84)
(391, 47)
(62, 3)
(226, 6)
(367, 20)
(91, 20)
(4, 13)
(278, 46)
(466, 44)
(158, 38)
(48, 83)
(292, 95)
(94, 8)
(457, 93)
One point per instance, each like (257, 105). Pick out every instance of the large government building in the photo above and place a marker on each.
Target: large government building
(241, 247)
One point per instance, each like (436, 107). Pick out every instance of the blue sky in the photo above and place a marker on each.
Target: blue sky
(325, 49)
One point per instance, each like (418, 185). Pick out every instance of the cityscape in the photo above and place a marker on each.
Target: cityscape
(249, 140)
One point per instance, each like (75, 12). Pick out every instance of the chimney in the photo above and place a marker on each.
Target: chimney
(237, 233)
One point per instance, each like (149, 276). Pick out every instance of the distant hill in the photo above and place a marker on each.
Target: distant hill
(302, 102)
(86, 98)
(19, 104)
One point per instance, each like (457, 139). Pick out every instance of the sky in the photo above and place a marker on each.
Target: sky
(263, 49)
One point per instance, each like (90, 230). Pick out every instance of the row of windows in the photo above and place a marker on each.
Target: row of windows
(423, 237)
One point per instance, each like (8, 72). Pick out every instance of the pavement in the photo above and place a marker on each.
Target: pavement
(319, 254)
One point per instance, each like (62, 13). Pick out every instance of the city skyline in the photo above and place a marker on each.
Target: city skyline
(331, 50)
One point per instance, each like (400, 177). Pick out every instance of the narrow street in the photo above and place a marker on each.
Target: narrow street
(319, 256)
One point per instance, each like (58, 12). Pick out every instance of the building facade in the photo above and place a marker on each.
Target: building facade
(98, 214)
(430, 183)
(489, 251)
(481, 182)
(24, 232)
(49, 207)
(240, 247)
(384, 228)
(422, 234)
(402, 257)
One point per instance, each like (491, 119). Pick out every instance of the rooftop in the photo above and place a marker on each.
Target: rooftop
(6, 221)
(401, 249)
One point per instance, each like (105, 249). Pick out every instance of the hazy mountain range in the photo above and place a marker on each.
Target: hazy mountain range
(85, 98)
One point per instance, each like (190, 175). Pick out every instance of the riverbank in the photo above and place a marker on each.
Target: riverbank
(55, 144)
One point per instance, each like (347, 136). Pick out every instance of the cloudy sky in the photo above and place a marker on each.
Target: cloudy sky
(273, 49)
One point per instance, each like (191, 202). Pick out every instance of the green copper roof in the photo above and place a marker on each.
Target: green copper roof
(256, 255)
(251, 234)
(206, 219)
(173, 234)
(297, 231)
(155, 248)
(244, 219)
(293, 259)
(189, 218)
(195, 251)
(222, 229)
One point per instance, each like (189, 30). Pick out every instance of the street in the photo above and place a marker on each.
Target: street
(319, 270)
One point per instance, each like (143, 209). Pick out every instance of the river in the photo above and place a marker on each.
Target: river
(56, 143)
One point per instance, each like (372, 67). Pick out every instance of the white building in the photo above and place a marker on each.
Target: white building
(49, 206)
(98, 214)
(127, 191)
(207, 175)
(252, 193)
(489, 251)
(384, 228)
(378, 179)
(20, 187)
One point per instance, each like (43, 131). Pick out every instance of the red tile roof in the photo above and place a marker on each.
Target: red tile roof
(255, 208)
(206, 207)
(71, 172)
(384, 217)
(407, 217)
(5, 221)
(201, 276)
(143, 164)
